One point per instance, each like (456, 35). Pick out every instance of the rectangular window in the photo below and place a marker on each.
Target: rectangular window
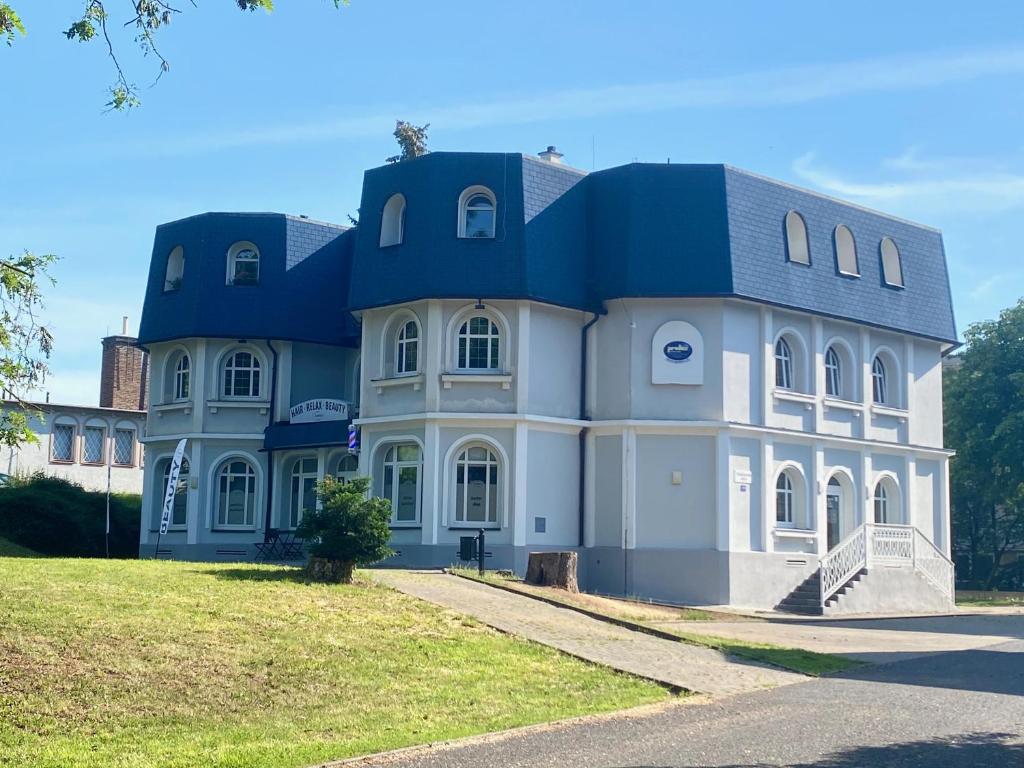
(92, 445)
(405, 506)
(124, 447)
(63, 443)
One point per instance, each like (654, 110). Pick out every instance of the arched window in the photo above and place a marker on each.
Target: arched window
(846, 251)
(784, 501)
(241, 375)
(476, 486)
(886, 501)
(797, 248)
(401, 482)
(346, 467)
(879, 381)
(477, 208)
(236, 494)
(303, 490)
(881, 504)
(479, 345)
(407, 348)
(783, 364)
(179, 512)
(392, 221)
(892, 269)
(833, 373)
(175, 269)
(182, 378)
(243, 264)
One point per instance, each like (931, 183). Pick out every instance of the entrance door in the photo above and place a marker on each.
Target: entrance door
(833, 510)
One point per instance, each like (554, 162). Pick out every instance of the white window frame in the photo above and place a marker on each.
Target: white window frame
(71, 444)
(492, 338)
(228, 369)
(833, 373)
(403, 342)
(880, 503)
(784, 358)
(224, 473)
(182, 378)
(880, 394)
(464, 208)
(130, 431)
(785, 492)
(795, 226)
(233, 261)
(182, 488)
(463, 462)
(892, 263)
(396, 465)
(300, 474)
(102, 429)
(846, 250)
(392, 221)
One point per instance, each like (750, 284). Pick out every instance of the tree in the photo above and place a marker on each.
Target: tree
(25, 344)
(984, 407)
(348, 529)
(412, 139)
(146, 18)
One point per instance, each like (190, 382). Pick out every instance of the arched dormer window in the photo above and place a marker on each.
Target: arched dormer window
(243, 264)
(241, 375)
(479, 345)
(783, 364)
(392, 221)
(846, 251)
(477, 209)
(182, 378)
(175, 269)
(892, 268)
(798, 249)
(407, 345)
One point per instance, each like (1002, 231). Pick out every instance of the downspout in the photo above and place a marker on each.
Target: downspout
(584, 417)
(270, 452)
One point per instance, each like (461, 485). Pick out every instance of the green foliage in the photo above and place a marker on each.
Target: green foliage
(349, 526)
(53, 516)
(984, 408)
(412, 139)
(10, 23)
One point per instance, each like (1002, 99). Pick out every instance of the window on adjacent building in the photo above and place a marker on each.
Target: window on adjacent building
(392, 221)
(236, 494)
(175, 269)
(401, 482)
(476, 486)
(798, 249)
(879, 381)
(243, 264)
(124, 447)
(182, 375)
(479, 345)
(477, 213)
(783, 364)
(407, 348)
(846, 251)
(62, 445)
(303, 495)
(179, 511)
(93, 439)
(892, 268)
(833, 373)
(241, 375)
(785, 503)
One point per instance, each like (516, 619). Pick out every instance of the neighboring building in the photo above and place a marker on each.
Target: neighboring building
(89, 444)
(710, 384)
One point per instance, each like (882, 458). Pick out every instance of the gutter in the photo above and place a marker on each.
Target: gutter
(584, 417)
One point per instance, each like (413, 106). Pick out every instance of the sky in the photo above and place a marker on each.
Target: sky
(913, 108)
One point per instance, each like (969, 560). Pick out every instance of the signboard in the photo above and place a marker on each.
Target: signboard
(677, 354)
(172, 486)
(321, 409)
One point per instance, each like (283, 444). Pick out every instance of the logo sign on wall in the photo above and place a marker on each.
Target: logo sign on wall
(321, 409)
(677, 354)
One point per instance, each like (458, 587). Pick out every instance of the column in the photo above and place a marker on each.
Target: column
(722, 505)
(433, 362)
(519, 507)
(767, 366)
(522, 361)
(430, 507)
(817, 359)
(817, 487)
(767, 494)
(629, 488)
(194, 496)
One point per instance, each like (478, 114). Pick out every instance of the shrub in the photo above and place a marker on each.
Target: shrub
(57, 517)
(349, 529)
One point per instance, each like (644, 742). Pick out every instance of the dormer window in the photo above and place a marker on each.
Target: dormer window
(175, 269)
(798, 250)
(846, 252)
(392, 221)
(892, 269)
(243, 264)
(477, 209)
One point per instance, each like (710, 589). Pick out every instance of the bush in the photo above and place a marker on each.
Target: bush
(348, 529)
(57, 517)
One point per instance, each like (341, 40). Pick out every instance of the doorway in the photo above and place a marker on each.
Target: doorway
(833, 511)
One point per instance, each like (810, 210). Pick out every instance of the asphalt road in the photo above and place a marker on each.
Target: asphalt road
(963, 708)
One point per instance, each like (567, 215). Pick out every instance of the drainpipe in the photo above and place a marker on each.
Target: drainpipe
(270, 453)
(584, 417)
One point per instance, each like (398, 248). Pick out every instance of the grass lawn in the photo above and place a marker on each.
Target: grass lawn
(143, 663)
(10, 549)
(967, 599)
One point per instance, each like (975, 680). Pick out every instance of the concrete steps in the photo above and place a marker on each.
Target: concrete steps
(806, 598)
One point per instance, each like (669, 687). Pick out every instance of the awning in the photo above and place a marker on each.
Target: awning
(316, 434)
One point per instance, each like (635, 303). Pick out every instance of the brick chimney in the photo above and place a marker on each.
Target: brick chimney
(124, 372)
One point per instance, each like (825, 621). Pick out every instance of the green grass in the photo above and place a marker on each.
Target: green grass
(144, 663)
(10, 549)
(990, 598)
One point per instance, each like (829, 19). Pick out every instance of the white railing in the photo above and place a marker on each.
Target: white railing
(900, 545)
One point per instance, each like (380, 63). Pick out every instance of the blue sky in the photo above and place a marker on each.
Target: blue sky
(914, 108)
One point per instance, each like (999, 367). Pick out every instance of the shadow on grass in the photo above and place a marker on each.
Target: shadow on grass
(289, 573)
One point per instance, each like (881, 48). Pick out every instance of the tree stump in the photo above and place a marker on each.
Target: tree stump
(553, 569)
(329, 571)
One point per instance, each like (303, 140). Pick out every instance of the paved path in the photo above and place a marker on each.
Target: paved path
(964, 708)
(872, 640)
(675, 663)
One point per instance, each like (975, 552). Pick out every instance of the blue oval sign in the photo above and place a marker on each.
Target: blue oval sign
(677, 351)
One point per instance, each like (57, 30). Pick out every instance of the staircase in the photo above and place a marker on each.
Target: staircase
(891, 551)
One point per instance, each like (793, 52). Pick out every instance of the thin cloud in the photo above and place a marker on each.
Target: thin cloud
(777, 87)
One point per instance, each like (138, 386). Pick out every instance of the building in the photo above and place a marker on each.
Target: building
(96, 447)
(718, 388)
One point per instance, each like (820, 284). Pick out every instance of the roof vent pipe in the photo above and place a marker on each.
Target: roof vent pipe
(551, 155)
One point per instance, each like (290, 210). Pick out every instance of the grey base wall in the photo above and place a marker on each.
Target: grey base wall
(682, 576)
(761, 580)
(891, 590)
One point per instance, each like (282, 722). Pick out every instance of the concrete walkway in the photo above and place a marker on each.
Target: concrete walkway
(675, 663)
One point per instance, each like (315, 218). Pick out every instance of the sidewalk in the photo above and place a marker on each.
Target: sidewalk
(674, 663)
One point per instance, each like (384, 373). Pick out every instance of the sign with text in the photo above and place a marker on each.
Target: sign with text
(677, 354)
(321, 409)
(172, 486)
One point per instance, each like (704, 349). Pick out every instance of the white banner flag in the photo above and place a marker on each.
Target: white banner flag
(172, 486)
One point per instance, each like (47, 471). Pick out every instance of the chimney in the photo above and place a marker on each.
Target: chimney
(124, 372)
(551, 155)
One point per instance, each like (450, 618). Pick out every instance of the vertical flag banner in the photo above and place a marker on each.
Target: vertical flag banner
(172, 486)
